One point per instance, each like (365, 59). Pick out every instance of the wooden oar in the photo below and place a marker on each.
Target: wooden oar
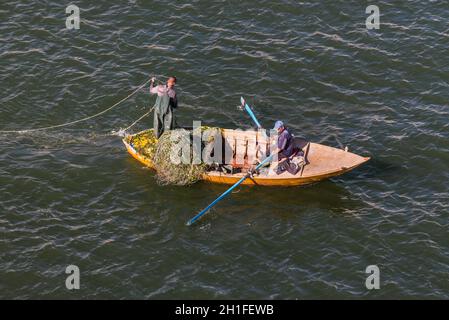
(224, 194)
(250, 112)
(305, 158)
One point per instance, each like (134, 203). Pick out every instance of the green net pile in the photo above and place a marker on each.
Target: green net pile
(160, 151)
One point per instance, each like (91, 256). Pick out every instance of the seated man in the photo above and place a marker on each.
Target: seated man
(285, 150)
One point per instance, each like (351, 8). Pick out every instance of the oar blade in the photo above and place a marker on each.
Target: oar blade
(246, 107)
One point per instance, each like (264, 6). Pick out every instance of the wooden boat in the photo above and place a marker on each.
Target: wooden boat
(322, 162)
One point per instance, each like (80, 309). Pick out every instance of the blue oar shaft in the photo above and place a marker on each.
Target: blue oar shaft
(224, 194)
(251, 114)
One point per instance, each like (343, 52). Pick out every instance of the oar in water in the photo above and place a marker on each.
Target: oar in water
(250, 112)
(224, 194)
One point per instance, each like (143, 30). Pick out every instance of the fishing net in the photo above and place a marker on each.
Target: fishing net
(168, 154)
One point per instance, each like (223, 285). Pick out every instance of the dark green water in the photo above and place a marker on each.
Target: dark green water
(74, 196)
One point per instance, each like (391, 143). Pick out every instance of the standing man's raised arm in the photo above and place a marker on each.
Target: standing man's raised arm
(153, 89)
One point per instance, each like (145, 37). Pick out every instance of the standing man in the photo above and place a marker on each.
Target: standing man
(166, 101)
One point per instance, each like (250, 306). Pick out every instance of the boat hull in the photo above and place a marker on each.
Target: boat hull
(304, 177)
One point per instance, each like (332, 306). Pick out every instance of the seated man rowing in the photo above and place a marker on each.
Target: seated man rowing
(285, 150)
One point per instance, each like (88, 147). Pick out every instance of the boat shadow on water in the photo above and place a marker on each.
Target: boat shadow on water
(377, 168)
(251, 203)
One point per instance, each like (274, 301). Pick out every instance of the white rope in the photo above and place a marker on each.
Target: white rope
(122, 132)
(80, 120)
(135, 122)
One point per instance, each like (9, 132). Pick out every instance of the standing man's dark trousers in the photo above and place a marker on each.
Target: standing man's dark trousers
(164, 118)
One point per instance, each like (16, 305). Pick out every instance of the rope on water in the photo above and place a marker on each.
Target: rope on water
(80, 120)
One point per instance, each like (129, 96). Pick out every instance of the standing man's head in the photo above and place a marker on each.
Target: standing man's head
(279, 126)
(171, 82)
